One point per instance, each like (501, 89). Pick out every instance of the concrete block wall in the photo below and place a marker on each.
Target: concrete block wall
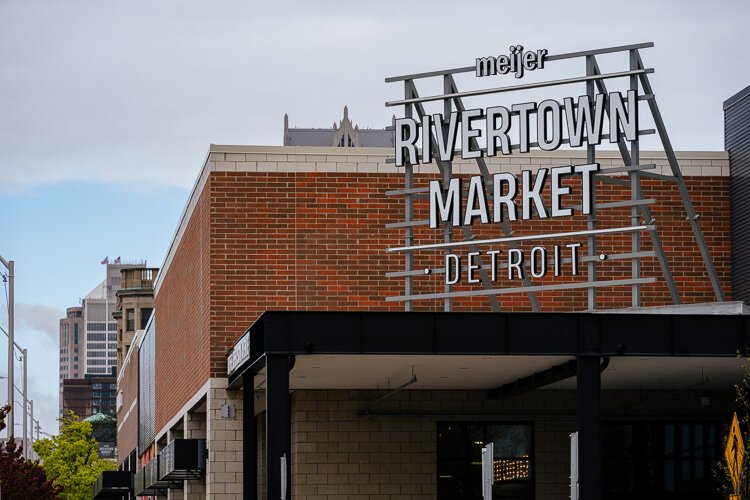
(224, 467)
(338, 454)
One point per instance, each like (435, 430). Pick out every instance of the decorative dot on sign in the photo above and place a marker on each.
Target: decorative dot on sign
(427, 270)
(602, 256)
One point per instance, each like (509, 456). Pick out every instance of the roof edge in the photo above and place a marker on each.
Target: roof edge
(370, 151)
(737, 98)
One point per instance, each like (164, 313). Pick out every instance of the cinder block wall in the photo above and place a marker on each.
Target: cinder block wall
(338, 454)
(224, 467)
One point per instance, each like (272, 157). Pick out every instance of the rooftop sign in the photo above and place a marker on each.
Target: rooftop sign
(458, 205)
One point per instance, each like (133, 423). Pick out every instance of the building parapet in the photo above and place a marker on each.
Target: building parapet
(306, 159)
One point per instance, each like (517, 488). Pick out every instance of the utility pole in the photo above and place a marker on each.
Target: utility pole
(10, 265)
(25, 404)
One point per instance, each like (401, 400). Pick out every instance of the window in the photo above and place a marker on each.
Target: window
(459, 469)
(96, 336)
(669, 460)
(145, 315)
(75, 333)
(129, 320)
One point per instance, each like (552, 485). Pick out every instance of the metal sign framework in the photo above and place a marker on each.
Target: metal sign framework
(640, 212)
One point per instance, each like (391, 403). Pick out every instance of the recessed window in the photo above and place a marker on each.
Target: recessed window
(130, 320)
(459, 468)
(669, 459)
(145, 315)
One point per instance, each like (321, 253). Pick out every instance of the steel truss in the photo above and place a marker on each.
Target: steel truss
(640, 212)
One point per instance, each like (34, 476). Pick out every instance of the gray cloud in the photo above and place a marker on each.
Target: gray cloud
(135, 91)
(40, 318)
(37, 331)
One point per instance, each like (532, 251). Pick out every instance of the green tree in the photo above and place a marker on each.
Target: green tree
(21, 479)
(72, 458)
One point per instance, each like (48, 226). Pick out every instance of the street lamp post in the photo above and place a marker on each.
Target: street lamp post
(31, 420)
(25, 404)
(10, 265)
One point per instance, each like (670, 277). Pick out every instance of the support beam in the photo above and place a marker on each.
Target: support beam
(540, 379)
(535, 381)
(278, 427)
(447, 167)
(249, 439)
(589, 427)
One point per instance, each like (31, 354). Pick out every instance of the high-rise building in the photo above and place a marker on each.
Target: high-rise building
(72, 347)
(99, 324)
(88, 334)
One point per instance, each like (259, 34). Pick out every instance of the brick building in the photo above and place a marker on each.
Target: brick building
(309, 341)
(304, 229)
(89, 396)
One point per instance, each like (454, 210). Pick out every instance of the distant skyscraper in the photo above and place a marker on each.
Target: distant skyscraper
(88, 334)
(72, 347)
(99, 325)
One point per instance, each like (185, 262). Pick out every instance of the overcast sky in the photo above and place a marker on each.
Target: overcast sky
(108, 107)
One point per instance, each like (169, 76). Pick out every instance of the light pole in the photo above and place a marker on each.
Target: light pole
(10, 265)
(25, 405)
(31, 419)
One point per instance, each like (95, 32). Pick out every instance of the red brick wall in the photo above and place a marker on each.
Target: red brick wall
(183, 344)
(317, 241)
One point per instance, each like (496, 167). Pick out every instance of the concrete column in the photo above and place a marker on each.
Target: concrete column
(224, 427)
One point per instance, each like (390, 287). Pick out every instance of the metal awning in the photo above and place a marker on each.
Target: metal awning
(488, 334)
(146, 482)
(113, 484)
(182, 459)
